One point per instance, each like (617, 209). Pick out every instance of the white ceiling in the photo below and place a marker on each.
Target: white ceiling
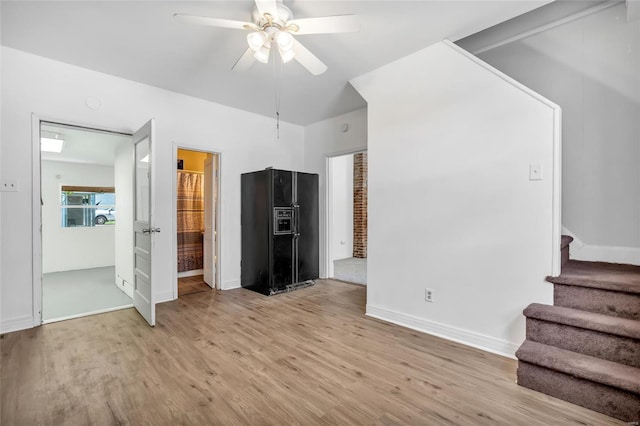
(83, 145)
(140, 41)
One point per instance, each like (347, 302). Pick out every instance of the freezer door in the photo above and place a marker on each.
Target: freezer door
(282, 259)
(255, 220)
(307, 221)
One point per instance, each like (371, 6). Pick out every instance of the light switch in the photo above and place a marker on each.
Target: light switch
(535, 171)
(9, 185)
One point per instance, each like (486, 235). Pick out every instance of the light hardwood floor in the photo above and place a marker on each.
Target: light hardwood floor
(236, 357)
(190, 285)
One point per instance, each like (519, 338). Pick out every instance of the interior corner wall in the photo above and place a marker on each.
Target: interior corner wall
(451, 206)
(57, 91)
(590, 67)
(123, 171)
(67, 249)
(325, 139)
(341, 206)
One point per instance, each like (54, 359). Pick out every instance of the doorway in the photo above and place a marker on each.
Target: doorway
(196, 197)
(347, 199)
(81, 198)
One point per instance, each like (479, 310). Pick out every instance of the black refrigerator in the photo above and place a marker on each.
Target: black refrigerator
(280, 242)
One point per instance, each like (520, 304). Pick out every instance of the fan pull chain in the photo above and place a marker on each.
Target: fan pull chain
(277, 71)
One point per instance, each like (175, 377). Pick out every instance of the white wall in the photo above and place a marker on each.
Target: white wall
(123, 169)
(326, 139)
(66, 249)
(54, 90)
(340, 182)
(451, 206)
(590, 67)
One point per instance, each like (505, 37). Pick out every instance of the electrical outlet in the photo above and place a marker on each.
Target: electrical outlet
(9, 185)
(428, 295)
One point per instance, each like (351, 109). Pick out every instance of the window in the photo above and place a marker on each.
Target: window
(87, 206)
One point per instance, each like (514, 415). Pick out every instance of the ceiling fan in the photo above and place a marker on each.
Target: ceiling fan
(273, 26)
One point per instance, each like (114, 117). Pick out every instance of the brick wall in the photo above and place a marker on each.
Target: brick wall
(360, 205)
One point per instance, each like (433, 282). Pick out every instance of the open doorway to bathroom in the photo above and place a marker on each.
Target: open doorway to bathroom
(86, 196)
(347, 215)
(196, 221)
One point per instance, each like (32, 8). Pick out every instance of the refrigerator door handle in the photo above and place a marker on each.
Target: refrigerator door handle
(296, 221)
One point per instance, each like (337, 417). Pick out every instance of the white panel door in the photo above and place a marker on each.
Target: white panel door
(143, 229)
(209, 242)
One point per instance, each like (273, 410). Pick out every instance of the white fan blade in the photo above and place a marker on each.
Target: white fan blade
(326, 24)
(268, 6)
(308, 59)
(245, 61)
(213, 22)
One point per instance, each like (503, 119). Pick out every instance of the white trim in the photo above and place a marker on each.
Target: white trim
(125, 286)
(465, 337)
(86, 314)
(328, 266)
(191, 273)
(218, 218)
(165, 296)
(556, 178)
(231, 284)
(549, 26)
(579, 250)
(36, 229)
(611, 254)
(16, 324)
(36, 204)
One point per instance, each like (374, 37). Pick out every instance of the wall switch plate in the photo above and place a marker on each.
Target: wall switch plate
(428, 295)
(535, 171)
(9, 185)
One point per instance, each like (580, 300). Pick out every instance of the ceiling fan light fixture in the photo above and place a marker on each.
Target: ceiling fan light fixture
(262, 54)
(286, 55)
(284, 40)
(256, 40)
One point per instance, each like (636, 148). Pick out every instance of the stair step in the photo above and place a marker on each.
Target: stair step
(601, 275)
(565, 241)
(613, 303)
(617, 403)
(582, 366)
(583, 319)
(602, 336)
(605, 288)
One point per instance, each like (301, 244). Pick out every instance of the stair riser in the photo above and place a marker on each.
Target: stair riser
(622, 350)
(613, 402)
(564, 255)
(613, 303)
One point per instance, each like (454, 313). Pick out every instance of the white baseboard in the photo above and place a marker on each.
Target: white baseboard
(579, 250)
(125, 286)
(630, 255)
(231, 284)
(16, 324)
(192, 273)
(466, 337)
(86, 314)
(165, 296)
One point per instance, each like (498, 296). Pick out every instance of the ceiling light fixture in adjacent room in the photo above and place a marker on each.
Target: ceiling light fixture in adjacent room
(51, 144)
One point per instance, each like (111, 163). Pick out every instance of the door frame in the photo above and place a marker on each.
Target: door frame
(327, 205)
(36, 200)
(174, 216)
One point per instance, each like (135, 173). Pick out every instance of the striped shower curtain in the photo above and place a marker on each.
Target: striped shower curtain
(190, 220)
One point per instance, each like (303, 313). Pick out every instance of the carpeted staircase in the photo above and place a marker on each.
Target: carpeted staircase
(585, 349)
